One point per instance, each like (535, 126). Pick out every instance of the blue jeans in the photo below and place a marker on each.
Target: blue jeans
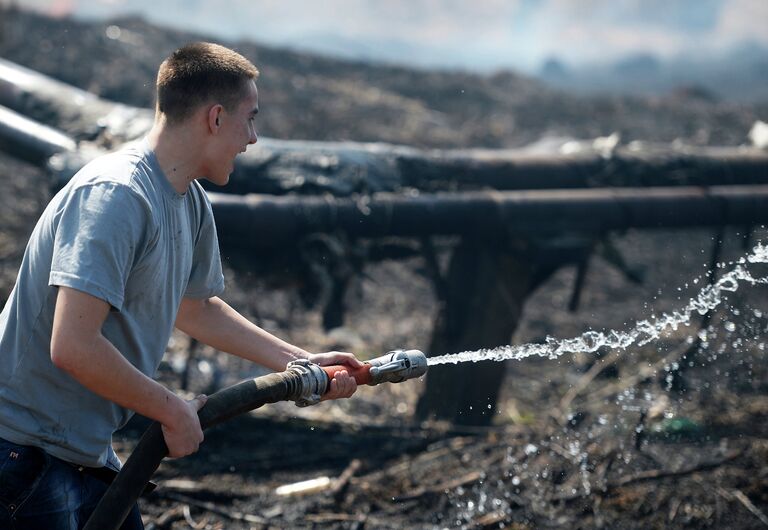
(41, 492)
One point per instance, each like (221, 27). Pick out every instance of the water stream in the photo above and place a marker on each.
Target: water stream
(643, 332)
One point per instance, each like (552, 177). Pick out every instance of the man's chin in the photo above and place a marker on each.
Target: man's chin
(219, 180)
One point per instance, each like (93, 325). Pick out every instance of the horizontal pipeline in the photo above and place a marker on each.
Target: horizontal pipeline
(30, 140)
(262, 221)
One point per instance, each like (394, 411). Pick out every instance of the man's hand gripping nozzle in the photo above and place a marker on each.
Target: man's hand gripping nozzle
(393, 367)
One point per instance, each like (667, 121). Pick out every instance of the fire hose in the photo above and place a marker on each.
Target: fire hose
(302, 382)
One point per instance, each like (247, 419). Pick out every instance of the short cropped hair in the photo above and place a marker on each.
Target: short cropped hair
(201, 73)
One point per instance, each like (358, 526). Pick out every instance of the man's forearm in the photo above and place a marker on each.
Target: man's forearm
(99, 366)
(79, 348)
(215, 323)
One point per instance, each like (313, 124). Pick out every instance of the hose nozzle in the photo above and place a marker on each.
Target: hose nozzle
(397, 366)
(393, 367)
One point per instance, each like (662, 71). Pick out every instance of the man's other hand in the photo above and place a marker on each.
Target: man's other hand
(342, 385)
(183, 434)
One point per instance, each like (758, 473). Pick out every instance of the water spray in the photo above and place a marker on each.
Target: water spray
(643, 332)
(302, 382)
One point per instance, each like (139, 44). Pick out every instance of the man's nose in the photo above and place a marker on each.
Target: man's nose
(253, 137)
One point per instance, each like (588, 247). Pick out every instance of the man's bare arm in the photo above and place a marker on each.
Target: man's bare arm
(79, 348)
(212, 321)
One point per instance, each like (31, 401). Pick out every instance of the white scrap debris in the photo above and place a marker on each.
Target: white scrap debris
(572, 147)
(305, 487)
(180, 484)
(606, 144)
(758, 135)
(602, 145)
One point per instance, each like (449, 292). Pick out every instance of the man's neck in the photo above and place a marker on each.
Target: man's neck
(177, 154)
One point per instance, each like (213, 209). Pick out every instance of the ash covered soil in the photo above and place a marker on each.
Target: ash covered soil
(579, 442)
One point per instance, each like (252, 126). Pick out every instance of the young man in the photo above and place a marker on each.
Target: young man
(125, 252)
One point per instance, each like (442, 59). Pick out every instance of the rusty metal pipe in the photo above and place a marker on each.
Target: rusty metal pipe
(29, 140)
(78, 113)
(262, 221)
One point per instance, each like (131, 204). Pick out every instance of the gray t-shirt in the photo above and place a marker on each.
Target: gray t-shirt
(120, 232)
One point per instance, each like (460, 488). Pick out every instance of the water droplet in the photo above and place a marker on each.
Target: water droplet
(113, 32)
(205, 367)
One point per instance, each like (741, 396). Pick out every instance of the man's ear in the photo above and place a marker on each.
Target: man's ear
(214, 118)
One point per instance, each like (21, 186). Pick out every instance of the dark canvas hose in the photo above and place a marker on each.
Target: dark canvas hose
(151, 449)
(302, 382)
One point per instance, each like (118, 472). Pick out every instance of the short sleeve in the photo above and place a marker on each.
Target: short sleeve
(100, 232)
(206, 278)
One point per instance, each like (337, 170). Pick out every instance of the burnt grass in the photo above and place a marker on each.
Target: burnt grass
(583, 441)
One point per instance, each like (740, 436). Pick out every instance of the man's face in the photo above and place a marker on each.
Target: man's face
(237, 130)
